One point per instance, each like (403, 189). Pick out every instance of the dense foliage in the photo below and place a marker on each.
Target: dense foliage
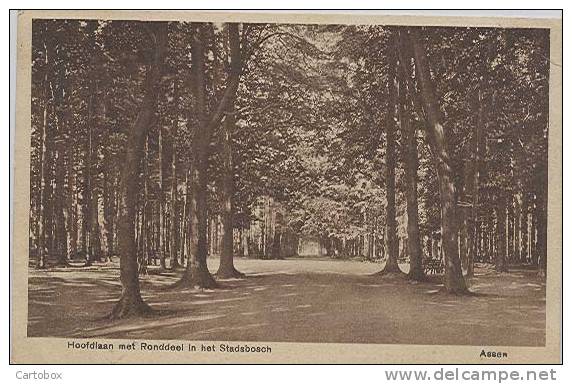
(301, 149)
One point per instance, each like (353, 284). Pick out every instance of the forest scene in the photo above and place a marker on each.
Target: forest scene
(288, 182)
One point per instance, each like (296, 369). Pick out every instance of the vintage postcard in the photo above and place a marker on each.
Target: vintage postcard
(278, 187)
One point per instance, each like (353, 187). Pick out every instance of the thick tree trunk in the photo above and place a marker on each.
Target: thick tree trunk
(131, 303)
(276, 245)
(226, 268)
(454, 281)
(391, 265)
(409, 134)
(197, 273)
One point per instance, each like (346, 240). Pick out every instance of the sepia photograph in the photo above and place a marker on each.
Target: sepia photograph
(257, 183)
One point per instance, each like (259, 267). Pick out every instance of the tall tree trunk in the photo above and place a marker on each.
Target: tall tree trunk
(501, 255)
(131, 303)
(61, 125)
(533, 243)
(187, 216)
(88, 182)
(277, 242)
(391, 265)
(145, 254)
(510, 228)
(72, 205)
(197, 273)
(59, 202)
(108, 205)
(95, 230)
(246, 241)
(517, 226)
(524, 252)
(84, 232)
(44, 155)
(409, 134)
(173, 248)
(490, 236)
(454, 280)
(477, 167)
(226, 268)
(542, 208)
(161, 235)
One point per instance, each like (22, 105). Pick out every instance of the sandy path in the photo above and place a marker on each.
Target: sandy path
(296, 300)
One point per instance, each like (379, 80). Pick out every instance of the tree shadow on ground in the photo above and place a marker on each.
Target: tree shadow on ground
(315, 306)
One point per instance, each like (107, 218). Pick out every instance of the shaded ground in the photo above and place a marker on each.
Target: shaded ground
(296, 300)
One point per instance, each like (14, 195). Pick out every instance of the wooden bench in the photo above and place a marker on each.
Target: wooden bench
(433, 266)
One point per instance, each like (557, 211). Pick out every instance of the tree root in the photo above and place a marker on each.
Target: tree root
(130, 306)
(175, 267)
(459, 291)
(391, 271)
(229, 273)
(418, 276)
(197, 278)
(61, 263)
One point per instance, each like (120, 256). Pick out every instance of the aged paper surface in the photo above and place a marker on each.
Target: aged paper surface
(46, 330)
